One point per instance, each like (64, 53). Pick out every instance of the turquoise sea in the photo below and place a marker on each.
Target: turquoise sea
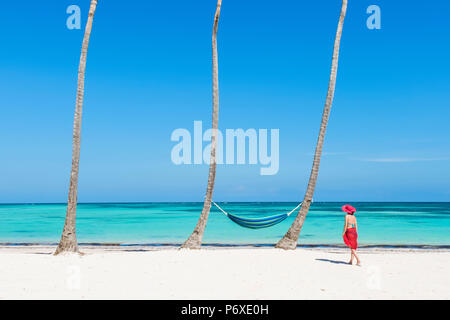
(380, 224)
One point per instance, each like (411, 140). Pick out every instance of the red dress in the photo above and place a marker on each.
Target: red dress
(351, 238)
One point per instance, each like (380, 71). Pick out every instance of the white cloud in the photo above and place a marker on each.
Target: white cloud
(324, 153)
(401, 159)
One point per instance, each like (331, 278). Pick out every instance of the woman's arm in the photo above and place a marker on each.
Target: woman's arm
(345, 225)
(356, 225)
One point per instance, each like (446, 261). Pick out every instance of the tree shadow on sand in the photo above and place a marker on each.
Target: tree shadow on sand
(333, 261)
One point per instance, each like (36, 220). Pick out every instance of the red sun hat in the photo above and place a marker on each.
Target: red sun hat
(348, 209)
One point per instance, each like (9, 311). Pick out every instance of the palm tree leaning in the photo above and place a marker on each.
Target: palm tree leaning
(195, 239)
(68, 242)
(290, 239)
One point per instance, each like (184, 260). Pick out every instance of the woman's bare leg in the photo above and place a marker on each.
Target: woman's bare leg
(351, 256)
(358, 262)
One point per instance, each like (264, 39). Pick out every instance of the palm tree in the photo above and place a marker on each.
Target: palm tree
(289, 241)
(68, 242)
(195, 239)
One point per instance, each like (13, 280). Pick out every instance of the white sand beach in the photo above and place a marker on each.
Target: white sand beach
(143, 273)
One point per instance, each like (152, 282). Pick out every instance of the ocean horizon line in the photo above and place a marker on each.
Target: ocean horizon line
(197, 202)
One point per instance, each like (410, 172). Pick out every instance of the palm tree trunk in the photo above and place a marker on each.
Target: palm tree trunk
(195, 239)
(290, 239)
(68, 241)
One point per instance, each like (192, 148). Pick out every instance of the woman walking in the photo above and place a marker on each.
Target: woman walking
(350, 234)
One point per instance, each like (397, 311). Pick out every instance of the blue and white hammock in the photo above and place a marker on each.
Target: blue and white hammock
(257, 223)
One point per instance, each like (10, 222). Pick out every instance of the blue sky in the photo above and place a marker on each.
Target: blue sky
(149, 72)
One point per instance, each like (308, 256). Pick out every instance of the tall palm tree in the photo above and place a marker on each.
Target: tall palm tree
(68, 242)
(289, 241)
(195, 239)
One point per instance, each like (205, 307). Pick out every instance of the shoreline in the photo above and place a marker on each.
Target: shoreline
(229, 245)
(96, 248)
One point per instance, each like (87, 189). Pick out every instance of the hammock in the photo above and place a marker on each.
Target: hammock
(257, 223)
